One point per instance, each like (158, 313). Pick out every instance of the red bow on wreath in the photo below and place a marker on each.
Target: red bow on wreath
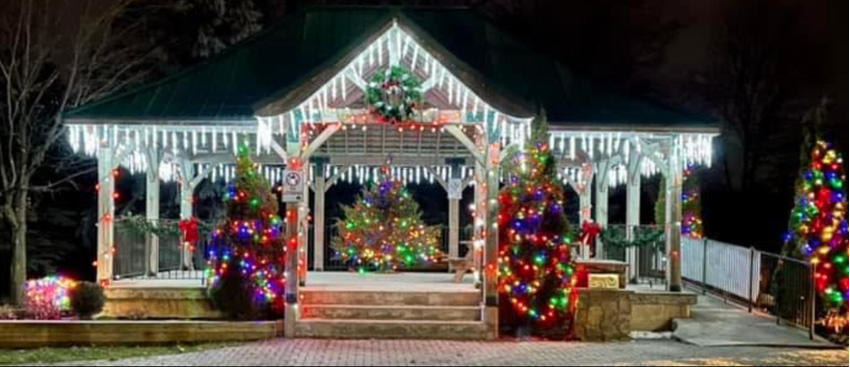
(589, 232)
(189, 229)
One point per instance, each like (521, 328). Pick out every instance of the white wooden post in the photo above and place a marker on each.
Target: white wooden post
(319, 218)
(601, 203)
(152, 210)
(187, 190)
(303, 229)
(583, 189)
(633, 214)
(454, 214)
(105, 214)
(675, 178)
(480, 221)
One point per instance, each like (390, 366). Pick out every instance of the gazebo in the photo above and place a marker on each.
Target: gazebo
(296, 91)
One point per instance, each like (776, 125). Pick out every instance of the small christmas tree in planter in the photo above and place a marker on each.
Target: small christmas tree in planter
(247, 250)
(383, 231)
(535, 266)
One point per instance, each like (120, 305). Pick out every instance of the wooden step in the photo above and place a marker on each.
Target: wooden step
(371, 312)
(189, 303)
(366, 298)
(392, 329)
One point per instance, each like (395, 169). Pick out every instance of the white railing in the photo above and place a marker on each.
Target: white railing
(776, 285)
(732, 269)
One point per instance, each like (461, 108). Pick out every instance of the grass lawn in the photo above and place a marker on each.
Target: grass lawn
(60, 355)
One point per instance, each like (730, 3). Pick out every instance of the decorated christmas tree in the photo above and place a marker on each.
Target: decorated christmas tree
(818, 224)
(247, 250)
(535, 265)
(692, 225)
(692, 204)
(383, 231)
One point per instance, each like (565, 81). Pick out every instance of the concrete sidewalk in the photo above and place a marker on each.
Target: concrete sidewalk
(717, 324)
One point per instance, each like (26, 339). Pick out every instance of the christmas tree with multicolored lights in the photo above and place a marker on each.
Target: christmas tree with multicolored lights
(818, 225)
(535, 267)
(383, 231)
(692, 204)
(247, 250)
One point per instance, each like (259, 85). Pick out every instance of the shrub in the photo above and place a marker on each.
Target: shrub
(7, 314)
(232, 296)
(47, 298)
(87, 300)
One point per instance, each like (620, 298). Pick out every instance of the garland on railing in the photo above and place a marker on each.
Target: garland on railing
(140, 225)
(644, 237)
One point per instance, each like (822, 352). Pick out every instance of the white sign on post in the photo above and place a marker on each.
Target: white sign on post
(293, 186)
(455, 189)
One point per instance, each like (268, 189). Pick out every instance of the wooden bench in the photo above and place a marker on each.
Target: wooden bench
(461, 266)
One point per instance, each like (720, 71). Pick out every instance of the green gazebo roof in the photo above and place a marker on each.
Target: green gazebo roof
(236, 84)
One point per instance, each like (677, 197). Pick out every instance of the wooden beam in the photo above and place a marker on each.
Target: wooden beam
(439, 179)
(320, 140)
(333, 179)
(355, 79)
(648, 152)
(510, 150)
(462, 138)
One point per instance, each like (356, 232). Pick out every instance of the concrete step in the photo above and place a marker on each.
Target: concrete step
(393, 329)
(371, 312)
(367, 298)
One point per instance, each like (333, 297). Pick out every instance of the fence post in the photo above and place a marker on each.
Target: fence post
(752, 270)
(705, 267)
(812, 301)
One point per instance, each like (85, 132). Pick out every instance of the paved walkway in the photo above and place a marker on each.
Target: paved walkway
(717, 324)
(439, 353)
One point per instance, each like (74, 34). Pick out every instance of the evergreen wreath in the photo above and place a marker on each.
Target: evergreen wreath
(394, 94)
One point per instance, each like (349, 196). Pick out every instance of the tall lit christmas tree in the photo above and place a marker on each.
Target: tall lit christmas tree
(692, 204)
(692, 225)
(247, 250)
(384, 231)
(818, 224)
(535, 265)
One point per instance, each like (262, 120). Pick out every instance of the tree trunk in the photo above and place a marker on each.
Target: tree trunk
(19, 248)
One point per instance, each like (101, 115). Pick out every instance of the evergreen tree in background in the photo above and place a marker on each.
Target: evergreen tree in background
(247, 250)
(535, 265)
(384, 230)
(692, 225)
(692, 203)
(180, 33)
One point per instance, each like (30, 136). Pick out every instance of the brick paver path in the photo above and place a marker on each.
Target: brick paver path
(428, 353)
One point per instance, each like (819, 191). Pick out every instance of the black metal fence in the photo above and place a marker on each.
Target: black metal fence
(133, 256)
(650, 258)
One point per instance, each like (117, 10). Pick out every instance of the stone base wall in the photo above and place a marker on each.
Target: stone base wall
(656, 311)
(611, 315)
(603, 315)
